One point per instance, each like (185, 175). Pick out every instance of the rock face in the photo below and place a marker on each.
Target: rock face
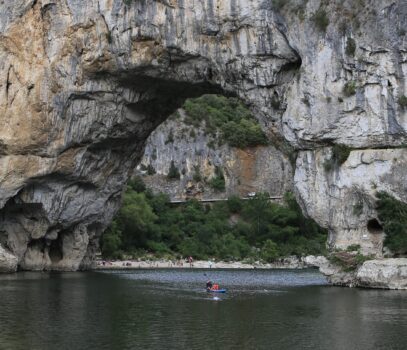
(388, 273)
(383, 273)
(83, 84)
(8, 262)
(255, 169)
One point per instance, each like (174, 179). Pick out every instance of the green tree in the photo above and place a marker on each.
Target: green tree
(173, 172)
(393, 215)
(270, 251)
(235, 204)
(111, 241)
(135, 219)
(218, 181)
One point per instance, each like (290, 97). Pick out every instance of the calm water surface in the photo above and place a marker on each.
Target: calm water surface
(157, 309)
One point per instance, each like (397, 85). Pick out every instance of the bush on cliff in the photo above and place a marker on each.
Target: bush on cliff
(218, 182)
(321, 19)
(349, 89)
(402, 100)
(173, 172)
(225, 118)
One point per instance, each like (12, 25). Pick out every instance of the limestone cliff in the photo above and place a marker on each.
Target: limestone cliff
(197, 156)
(84, 83)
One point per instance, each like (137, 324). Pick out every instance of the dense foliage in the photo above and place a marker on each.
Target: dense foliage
(225, 118)
(259, 229)
(393, 215)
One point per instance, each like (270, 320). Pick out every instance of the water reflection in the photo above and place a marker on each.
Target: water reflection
(170, 310)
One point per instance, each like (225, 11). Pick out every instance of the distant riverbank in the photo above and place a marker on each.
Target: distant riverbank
(291, 262)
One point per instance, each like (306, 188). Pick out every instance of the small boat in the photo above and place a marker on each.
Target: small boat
(216, 290)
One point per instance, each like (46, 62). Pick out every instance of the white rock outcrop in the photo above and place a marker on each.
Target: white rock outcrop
(8, 261)
(386, 273)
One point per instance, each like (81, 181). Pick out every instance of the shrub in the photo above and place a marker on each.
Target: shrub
(279, 4)
(353, 248)
(321, 19)
(393, 216)
(235, 204)
(197, 174)
(109, 37)
(226, 118)
(349, 89)
(360, 258)
(173, 172)
(341, 153)
(269, 251)
(137, 184)
(403, 101)
(170, 138)
(218, 182)
(150, 170)
(305, 101)
(348, 261)
(350, 47)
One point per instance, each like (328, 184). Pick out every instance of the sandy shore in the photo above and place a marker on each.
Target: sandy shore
(287, 263)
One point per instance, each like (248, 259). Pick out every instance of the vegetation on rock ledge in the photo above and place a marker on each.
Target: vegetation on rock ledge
(340, 154)
(227, 119)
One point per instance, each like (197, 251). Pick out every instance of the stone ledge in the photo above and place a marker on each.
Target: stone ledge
(386, 273)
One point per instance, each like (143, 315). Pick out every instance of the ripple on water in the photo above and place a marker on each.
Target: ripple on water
(169, 309)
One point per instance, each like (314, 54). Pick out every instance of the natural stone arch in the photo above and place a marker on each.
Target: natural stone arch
(103, 107)
(81, 92)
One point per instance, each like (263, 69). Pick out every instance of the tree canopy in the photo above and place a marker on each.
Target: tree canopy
(262, 230)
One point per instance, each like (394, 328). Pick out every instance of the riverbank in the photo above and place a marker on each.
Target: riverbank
(291, 262)
(377, 274)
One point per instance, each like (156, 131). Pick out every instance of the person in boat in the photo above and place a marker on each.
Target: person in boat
(209, 285)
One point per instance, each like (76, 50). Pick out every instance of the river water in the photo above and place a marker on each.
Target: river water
(169, 309)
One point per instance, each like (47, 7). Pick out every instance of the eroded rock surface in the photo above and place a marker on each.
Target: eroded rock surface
(387, 273)
(83, 84)
(196, 155)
